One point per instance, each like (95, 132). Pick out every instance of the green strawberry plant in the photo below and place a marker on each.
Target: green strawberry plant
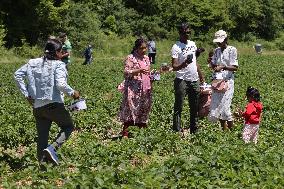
(154, 157)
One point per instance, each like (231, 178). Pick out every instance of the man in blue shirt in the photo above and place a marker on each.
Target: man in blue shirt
(88, 55)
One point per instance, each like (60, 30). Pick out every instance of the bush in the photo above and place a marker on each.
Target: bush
(2, 35)
(279, 42)
(112, 45)
(269, 45)
(27, 51)
(248, 37)
(82, 26)
(2, 42)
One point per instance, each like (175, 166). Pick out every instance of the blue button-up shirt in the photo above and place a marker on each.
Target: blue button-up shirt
(46, 81)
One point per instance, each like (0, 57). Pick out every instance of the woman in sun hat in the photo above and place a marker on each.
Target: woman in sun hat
(224, 63)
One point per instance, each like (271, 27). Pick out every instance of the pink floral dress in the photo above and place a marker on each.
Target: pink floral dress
(137, 94)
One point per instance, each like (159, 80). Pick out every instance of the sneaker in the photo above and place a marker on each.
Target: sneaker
(184, 133)
(51, 155)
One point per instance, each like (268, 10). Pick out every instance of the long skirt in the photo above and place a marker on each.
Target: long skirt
(220, 107)
(136, 103)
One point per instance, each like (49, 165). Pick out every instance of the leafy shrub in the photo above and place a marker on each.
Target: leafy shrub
(110, 24)
(27, 51)
(269, 45)
(82, 26)
(279, 41)
(3, 50)
(2, 35)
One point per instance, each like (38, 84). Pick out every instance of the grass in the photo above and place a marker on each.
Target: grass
(155, 157)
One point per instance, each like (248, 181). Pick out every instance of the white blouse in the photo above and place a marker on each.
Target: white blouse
(228, 57)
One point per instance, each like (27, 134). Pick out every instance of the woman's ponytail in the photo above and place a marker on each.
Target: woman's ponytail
(51, 47)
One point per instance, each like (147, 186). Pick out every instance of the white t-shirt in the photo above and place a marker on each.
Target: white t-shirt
(181, 51)
(228, 57)
(151, 47)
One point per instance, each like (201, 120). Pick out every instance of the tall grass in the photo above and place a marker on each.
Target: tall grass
(114, 47)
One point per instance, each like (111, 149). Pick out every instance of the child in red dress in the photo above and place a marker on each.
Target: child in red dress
(252, 115)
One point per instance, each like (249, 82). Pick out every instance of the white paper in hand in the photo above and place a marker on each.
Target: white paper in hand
(78, 105)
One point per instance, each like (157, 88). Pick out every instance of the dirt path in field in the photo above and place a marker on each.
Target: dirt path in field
(273, 53)
(241, 51)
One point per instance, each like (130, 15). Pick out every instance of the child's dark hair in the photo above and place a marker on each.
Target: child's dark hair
(137, 44)
(254, 93)
(51, 47)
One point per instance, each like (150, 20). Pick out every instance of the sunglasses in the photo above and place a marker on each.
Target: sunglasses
(218, 43)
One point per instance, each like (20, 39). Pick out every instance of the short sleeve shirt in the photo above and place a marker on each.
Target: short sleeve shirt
(181, 51)
(66, 47)
(151, 47)
(228, 57)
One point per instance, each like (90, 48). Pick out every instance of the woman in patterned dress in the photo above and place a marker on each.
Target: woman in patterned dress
(224, 62)
(137, 93)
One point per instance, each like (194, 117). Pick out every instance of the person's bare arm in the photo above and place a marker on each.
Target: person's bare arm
(176, 66)
(200, 74)
(229, 68)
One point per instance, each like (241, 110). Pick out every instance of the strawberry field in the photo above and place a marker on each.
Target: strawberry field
(154, 157)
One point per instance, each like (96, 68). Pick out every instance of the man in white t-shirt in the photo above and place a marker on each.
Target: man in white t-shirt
(188, 76)
(151, 50)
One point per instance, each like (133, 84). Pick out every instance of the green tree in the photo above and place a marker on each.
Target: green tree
(20, 20)
(31, 20)
(145, 7)
(203, 16)
(272, 19)
(124, 19)
(245, 15)
(2, 35)
(110, 24)
(51, 16)
(81, 25)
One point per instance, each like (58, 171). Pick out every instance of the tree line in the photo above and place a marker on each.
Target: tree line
(87, 20)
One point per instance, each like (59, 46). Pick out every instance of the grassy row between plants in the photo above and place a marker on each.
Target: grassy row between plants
(113, 47)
